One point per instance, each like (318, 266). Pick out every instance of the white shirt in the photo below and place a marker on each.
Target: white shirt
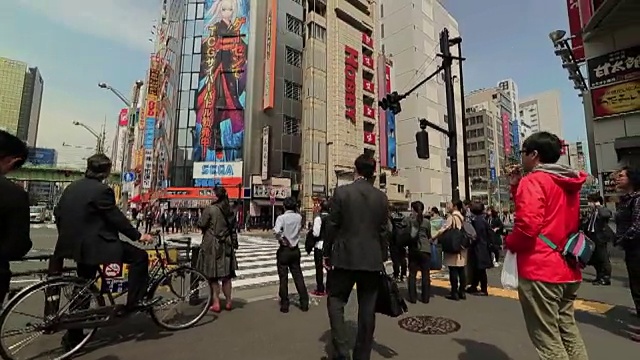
(317, 226)
(288, 225)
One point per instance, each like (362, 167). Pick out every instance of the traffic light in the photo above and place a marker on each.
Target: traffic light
(422, 141)
(391, 102)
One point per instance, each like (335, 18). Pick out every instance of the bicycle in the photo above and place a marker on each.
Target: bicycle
(59, 319)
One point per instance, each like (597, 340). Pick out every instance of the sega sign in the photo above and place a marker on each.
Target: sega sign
(215, 169)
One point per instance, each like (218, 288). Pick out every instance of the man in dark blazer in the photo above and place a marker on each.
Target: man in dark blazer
(15, 241)
(89, 224)
(354, 252)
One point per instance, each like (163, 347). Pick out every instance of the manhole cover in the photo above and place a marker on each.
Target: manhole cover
(429, 325)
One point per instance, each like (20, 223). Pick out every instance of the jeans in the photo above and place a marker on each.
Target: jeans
(549, 316)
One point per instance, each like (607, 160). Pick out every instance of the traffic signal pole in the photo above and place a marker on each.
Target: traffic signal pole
(392, 102)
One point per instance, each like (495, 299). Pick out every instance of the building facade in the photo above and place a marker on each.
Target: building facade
(21, 90)
(543, 112)
(340, 118)
(409, 36)
(520, 127)
(609, 35)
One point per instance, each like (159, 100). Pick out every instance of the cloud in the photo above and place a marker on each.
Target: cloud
(122, 21)
(59, 110)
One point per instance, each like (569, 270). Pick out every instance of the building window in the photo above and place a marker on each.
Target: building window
(382, 31)
(290, 161)
(290, 125)
(400, 189)
(292, 90)
(317, 32)
(381, 11)
(294, 25)
(294, 57)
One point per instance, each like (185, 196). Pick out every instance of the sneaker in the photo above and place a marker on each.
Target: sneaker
(318, 293)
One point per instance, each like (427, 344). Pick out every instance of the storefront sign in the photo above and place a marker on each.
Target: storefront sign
(616, 67)
(153, 85)
(209, 170)
(350, 75)
(147, 170)
(369, 138)
(369, 112)
(261, 191)
(368, 86)
(367, 40)
(269, 56)
(506, 133)
(367, 61)
(265, 153)
(616, 99)
(575, 29)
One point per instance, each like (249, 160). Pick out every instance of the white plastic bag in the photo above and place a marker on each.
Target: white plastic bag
(509, 276)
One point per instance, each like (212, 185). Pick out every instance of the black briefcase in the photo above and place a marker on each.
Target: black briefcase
(389, 301)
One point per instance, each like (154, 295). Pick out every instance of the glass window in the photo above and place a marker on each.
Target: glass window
(184, 100)
(184, 118)
(190, 28)
(196, 61)
(199, 30)
(200, 11)
(192, 97)
(194, 80)
(197, 44)
(192, 117)
(184, 81)
(191, 11)
(186, 65)
(182, 137)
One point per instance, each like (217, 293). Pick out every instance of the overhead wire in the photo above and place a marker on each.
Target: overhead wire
(421, 70)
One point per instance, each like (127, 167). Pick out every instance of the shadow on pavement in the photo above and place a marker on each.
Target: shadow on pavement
(137, 328)
(381, 349)
(475, 350)
(615, 321)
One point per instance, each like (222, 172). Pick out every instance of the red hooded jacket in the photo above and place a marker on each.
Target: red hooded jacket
(547, 202)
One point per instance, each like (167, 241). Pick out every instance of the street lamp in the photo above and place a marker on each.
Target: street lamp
(99, 137)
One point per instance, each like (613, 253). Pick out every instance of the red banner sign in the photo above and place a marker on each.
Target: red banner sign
(368, 86)
(369, 138)
(123, 119)
(350, 75)
(506, 133)
(367, 61)
(369, 112)
(575, 29)
(367, 40)
(387, 78)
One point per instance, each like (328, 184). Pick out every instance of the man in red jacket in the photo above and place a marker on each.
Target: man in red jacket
(547, 201)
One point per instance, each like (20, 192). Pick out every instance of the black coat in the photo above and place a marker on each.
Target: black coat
(15, 241)
(358, 227)
(496, 236)
(479, 255)
(89, 223)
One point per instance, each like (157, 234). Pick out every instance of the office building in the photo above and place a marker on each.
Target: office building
(543, 112)
(21, 90)
(409, 36)
(574, 155)
(520, 128)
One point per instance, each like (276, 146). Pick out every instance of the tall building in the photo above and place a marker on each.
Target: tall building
(410, 38)
(339, 95)
(574, 155)
(543, 112)
(21, 90)
(520, 128)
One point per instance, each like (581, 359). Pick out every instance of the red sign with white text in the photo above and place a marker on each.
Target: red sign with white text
(506, 133)
(369, 112)
(367, 40)
(367, 61)
(350, 75)
(387, 78)
(368, 86)
(369, 138)
(123, 119)
(575, 29)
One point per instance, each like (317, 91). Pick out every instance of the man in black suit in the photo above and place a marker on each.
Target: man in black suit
(89, 224)
(15, 241)
(354, 252)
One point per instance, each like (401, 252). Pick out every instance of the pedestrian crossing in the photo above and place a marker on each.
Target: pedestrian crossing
(257, 262)
(43, 226)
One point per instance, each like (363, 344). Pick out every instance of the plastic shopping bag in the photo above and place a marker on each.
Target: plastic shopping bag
(510, 271)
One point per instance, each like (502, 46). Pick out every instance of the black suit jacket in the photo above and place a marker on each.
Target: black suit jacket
(15, 241)
(357, 227)
(89, 223)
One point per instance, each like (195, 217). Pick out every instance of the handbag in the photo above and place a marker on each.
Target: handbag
(389, 301)
(436, 257)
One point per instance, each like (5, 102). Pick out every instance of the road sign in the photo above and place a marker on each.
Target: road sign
(112, 270)
(128, 177)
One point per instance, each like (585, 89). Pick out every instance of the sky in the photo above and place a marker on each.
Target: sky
(78, 43)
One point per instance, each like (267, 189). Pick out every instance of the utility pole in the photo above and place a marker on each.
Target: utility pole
(392, 102)
(129, 140)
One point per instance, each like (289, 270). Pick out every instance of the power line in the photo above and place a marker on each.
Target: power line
(421, 70)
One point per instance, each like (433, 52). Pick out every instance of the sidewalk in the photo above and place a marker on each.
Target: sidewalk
(482, 328)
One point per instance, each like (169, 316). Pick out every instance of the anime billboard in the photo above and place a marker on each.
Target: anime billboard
(219, 131)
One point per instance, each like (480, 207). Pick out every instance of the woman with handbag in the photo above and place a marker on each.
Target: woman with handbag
(419, 253)
(217, 258)
(455, 261)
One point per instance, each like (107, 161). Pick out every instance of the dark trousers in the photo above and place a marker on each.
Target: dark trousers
(399, 261)
(340, 284)
(632, 259)
(419, 261)
(317, 259)
(479, 277)
(457, 279)
(147, 226)
(601, 261)
(5, 281)
(288, 260)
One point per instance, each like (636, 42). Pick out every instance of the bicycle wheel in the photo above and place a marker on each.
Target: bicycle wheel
(188, 286)
(48, 309)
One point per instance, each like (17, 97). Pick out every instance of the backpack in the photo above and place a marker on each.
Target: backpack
(400, 232)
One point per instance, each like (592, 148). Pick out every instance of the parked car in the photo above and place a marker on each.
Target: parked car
(38, 214)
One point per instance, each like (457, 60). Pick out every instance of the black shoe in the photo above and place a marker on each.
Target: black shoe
(604, 282)
(425, 301)
(70, 341)
(413, 301)
(284, 308)
(462, 295)
(453, 296)
(471, 290)
(304, 307)
(482, 293)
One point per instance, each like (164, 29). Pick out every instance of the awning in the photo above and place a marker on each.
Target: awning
(136, 199)
(612, 15)
(264, 202)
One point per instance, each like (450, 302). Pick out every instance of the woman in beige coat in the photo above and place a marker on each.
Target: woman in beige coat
(455, 262)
